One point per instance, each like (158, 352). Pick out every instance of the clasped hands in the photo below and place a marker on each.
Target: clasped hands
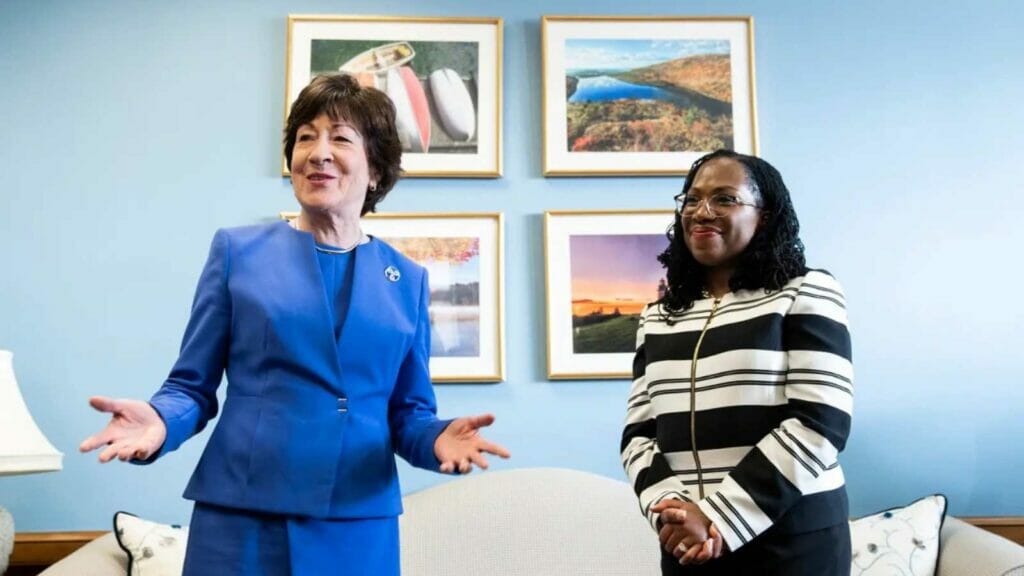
(687, 533)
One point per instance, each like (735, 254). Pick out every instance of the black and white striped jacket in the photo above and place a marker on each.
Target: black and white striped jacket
(772, 393)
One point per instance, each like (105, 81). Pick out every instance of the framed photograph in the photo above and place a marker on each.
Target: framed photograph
(645, 95)
(601, 269)
(443, 74)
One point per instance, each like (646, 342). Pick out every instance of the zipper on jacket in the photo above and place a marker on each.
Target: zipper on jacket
(693, 399)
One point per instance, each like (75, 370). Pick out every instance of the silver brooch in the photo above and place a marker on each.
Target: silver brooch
(392, 273)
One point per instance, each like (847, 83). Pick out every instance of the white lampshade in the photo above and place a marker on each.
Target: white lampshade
(23, 448)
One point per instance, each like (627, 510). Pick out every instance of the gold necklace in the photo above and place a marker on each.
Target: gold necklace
(294, 223)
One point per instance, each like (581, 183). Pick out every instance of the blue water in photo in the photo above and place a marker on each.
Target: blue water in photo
(604, 88)
(454, 331)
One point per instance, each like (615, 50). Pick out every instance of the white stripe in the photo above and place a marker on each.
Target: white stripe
(817, 301)
(822, 361)
(676, 398)
(658, 491)
(718, 458)
(825, 455)
(795, 472)
(646, 456)
(744, 504)
(726, 361)
(821, 394)
(730, 311)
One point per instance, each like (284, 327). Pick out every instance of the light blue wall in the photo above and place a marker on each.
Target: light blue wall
(131, 130)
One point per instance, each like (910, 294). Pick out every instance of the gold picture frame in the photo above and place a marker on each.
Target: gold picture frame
(444, 75)
(645, 95)
(600, 269)
(464, 256)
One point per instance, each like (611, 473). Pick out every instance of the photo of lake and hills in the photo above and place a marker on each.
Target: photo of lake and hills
(627, 95)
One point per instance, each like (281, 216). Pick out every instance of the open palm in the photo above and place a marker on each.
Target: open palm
(461, 445)
(135, 430)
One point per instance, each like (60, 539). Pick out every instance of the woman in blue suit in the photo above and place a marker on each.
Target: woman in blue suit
(324, 335)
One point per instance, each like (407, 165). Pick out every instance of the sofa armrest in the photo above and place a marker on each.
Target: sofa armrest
(101, 557)
(967, 550)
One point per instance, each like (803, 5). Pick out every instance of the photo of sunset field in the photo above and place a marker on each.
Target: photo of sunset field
(612, 277)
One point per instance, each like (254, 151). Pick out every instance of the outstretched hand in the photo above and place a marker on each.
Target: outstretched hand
(460, 445)
(135, 430)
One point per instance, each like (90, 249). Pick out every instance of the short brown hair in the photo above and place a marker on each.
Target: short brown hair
(341, 97)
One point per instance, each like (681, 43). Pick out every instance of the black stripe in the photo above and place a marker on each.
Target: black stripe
(818, 333)
(642, 394)
(759, 333)
(705, 469)
(805, 449)
(744, 371)
(644, 429)
(835, 375)
(727, 427)
(758, 371)
(737, 513)
(829, 421)
(784, 294)
(769, 489)
(787, 293)
(820, 297)
(640, 362)
(651, 475)
(822, 383)
(638, 455)
(711, 386)
(823, 289)
(637, 405)
(735, 529)
(793, 454)
(815, 511)
(705, 481)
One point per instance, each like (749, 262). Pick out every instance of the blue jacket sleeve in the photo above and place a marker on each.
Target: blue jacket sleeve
(412, 410)
(188, 398)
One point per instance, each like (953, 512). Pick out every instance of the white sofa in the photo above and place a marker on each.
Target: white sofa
(553, 522)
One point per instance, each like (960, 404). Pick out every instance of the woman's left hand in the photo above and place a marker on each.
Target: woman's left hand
(460, 445)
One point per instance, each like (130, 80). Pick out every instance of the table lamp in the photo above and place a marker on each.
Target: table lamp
(23, 448)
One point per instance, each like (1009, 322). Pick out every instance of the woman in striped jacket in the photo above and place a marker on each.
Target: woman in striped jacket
(742, 391)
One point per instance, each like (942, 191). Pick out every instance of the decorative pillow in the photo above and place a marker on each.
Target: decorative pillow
(153, 549)
(900, 540)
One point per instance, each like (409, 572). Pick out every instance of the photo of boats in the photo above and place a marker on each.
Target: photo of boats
(432, 83)
(648, 95)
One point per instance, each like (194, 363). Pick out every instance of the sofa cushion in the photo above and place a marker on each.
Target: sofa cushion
(153, 549)
(899, 540)
(527, 522)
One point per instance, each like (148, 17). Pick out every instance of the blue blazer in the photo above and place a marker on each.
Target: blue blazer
(310, 425)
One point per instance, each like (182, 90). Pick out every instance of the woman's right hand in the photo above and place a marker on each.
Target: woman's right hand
(135, 430)
(687, 533)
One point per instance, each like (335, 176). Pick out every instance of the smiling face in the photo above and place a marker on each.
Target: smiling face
(717, 239)
(330, 171)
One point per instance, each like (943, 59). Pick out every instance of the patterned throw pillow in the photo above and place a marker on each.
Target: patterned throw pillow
(899, 541)
(153, 549)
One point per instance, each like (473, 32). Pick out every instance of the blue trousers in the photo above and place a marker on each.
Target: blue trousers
(226, 541)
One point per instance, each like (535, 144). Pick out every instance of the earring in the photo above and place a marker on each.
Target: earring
(373, 187)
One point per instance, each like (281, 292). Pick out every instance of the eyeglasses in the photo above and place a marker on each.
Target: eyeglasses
(718, 204)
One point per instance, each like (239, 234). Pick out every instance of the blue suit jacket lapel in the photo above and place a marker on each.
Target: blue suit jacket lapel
(309, 287)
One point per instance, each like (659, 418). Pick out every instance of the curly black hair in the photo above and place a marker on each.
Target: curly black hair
(774, 256)
(373, 113)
